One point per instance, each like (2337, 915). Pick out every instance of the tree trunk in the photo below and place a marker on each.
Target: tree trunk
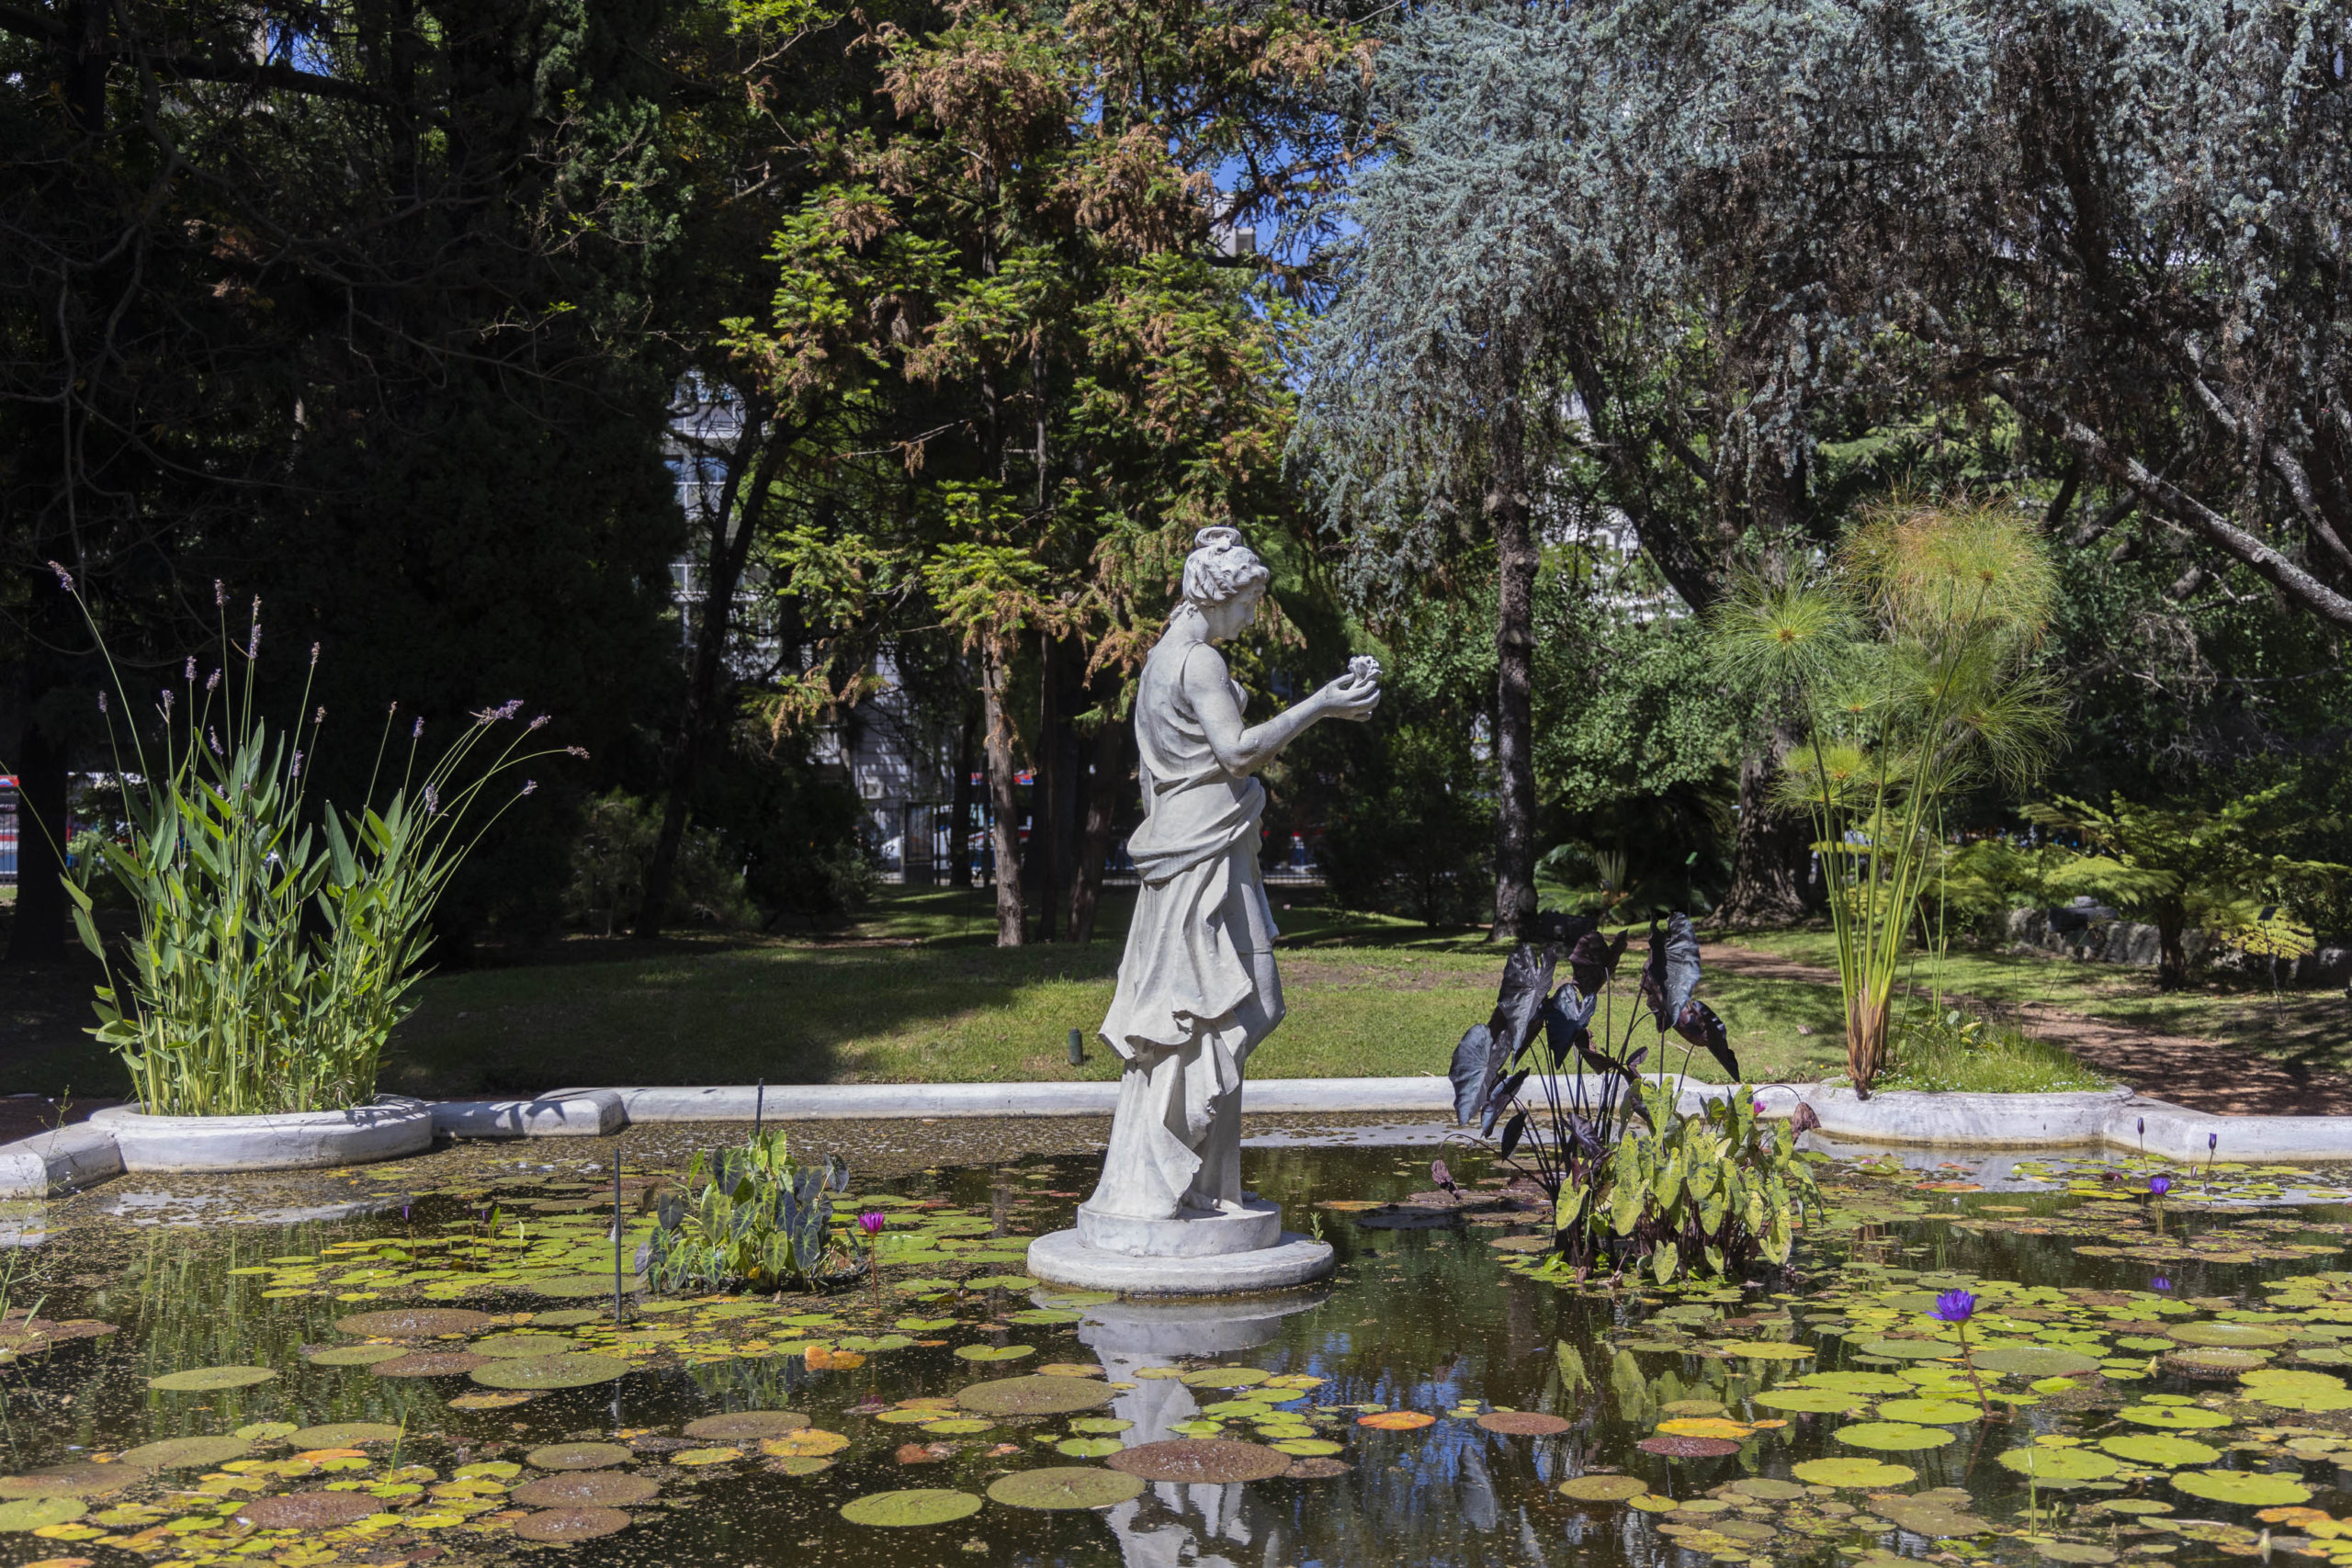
(996, 674)
(960, 837)
(1517, 559)
(2172, 957)
(728, 545)
(1106, 782)
(1049, 861)
(1771, 862)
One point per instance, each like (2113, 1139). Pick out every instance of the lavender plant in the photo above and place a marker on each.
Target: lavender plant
(276, 946)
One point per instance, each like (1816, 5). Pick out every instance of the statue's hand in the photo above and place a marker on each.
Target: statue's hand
(1354, 695)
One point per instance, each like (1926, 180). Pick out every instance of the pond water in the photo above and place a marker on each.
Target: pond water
(2164, 1383)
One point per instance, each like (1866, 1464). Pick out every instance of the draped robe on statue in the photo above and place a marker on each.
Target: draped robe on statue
(1197, 986)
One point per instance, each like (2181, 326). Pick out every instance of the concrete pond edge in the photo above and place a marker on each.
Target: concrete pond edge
(120, 1139)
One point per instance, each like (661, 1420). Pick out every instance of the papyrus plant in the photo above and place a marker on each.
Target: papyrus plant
(1912, 663)
(277, 944)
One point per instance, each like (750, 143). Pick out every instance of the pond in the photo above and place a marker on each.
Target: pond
(439, 1377)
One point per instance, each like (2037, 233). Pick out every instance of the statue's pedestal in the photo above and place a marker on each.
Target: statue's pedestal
(1199, 1255)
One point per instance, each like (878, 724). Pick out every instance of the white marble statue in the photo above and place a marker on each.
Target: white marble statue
(1197, 986)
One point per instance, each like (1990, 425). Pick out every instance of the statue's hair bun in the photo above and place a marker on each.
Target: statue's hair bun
(1221, 567)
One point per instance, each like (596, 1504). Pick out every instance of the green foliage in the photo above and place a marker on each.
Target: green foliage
(608, 864)
(276, 946)
(1708, 1193)
(751, 1220)
(2215, 869)
(1943, 1049)
(1915, 668)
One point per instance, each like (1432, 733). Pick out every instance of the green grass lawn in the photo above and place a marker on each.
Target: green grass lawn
(2311, 1027)
(919, 993)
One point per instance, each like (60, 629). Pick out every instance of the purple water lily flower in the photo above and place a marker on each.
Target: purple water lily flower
(872, 1221)
(2160, 1283)
(1956, 1307)
(2159, 1185)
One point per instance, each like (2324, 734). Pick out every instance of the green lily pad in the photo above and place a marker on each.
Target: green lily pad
(1603, 1488)
(1868, 1473)
(2253, 1489)
(1044, 1316)
(745, 1426)
(2060, 1465)
(1812, 1401)
(265, 1431)
(1065, 1486)
(356, 1355)
(958, 1427)
(1040, 1395)
(1858, 1382)
(38, 1513)
(1910, 1350)
(921, 1506)
(1099, 1424)
(586, 1489)
(1766, 1350)
(204, 1380)
(576, 1369)
(186, 1453)
(1084, 1448)
(2286, 1390)
(1306, 1447)
(572, 1287)
(413, 1323)
(1764, 1489)
(995, 1352)
(2220, 1359)
(566, 1317)
(2073, 1551)
(2174, 1417)
(2239, 1336)
(2156, 1449)
(1893, 1437)
(2035, 1361)
(343, 1434)
(1225, 1377)
(506, 1346)
(1931, 1412)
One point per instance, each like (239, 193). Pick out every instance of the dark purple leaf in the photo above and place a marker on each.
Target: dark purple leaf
(1803, 1119)
(1582, 1133)
(1671, 973)
(1439, 1177)
(1527, 976)
(1513, 1130)
(1633, 1063)
(1697, 1023)
(1564, 1017)
(1592, 961)
(1501, 1100)
(1474, 1067)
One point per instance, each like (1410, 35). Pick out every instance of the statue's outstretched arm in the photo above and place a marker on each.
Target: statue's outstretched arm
(1242, 751)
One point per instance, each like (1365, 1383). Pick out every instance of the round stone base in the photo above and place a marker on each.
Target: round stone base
(1294, 1260)
(1256, 1225)
(294, 1139)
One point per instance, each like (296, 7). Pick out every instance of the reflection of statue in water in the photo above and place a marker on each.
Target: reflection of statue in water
(1197, 986)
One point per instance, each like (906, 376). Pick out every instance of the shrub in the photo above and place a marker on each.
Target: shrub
(751, 1217)
(606, 893)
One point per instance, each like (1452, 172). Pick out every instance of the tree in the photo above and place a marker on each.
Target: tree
(2214, 869)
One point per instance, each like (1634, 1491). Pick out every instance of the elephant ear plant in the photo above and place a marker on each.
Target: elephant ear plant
(1633, 1181)
(275, 945)
(751, 1217)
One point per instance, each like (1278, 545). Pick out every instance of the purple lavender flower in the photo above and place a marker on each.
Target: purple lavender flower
(102, 700)
(1955, 1306)
(167, 702)
(213, 740)
(539, 722)
(431, 801)
(575, 750)
(211, 680)
(220, 595)
(2159, 1185)
(296, 770)
(530, 784)
(64, 577)
(314, 656)
(191, 670)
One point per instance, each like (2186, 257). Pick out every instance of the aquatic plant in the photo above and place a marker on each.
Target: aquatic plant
(1630, 1176)
(275, 947)
(1912, 666)
(750, 1217)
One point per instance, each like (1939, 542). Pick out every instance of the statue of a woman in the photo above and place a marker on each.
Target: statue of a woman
(1197, 987)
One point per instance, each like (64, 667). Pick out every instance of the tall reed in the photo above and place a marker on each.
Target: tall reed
(276, 945)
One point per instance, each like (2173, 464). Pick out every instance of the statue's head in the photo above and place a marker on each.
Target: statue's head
(1222, 570)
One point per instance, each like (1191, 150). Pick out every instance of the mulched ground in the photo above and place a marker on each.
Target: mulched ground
(2203, 1074)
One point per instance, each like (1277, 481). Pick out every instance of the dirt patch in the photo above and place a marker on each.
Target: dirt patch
(2203, 1074)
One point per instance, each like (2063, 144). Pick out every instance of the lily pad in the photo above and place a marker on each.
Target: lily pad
(345, 1434)
(1893, 1437)
(356, 1355)
(995, 1352)
(964, 1426)
(571, 1287)
(1853, 1472)
(1811, 1401)
(1858, 1382)
(524, 1345)
(1523, 1423)
(1225, 1377)
(2253, 1489)
(1941, 1514)
(204, 1380)
(186, 1453)
(308, 1510)
(578, 1456)
(2035, 1361)
(1672, 1446)
(432, 1364)
(1603, 1488)
(1038, 1396)
(922, 1505)
(2220, 1360)
(1065, 1486)
(1931, 1412)
(1766, 1350)
(2073, 1551)
(1321, 1468)
(747, 1425)
(798, 1464)
(2174, 1417)
(809, 1443)
(586, 1489)
(39, 1513)
(1396, 1420)
(575, 1370)
(413, 1323)
(1206, 1460)
(571, 1524)
(81, 1478)
(2156, 1449)
(2286, 1390)
(1911, 1349)
(1764, 1489)
(1084, 1448)
(2239, 1336)
(1306, 1447)
(2060, 1465)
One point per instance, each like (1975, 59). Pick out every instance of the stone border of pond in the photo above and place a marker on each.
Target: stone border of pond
(71, 1158)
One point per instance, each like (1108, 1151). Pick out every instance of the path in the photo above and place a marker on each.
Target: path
(2202, 1075)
